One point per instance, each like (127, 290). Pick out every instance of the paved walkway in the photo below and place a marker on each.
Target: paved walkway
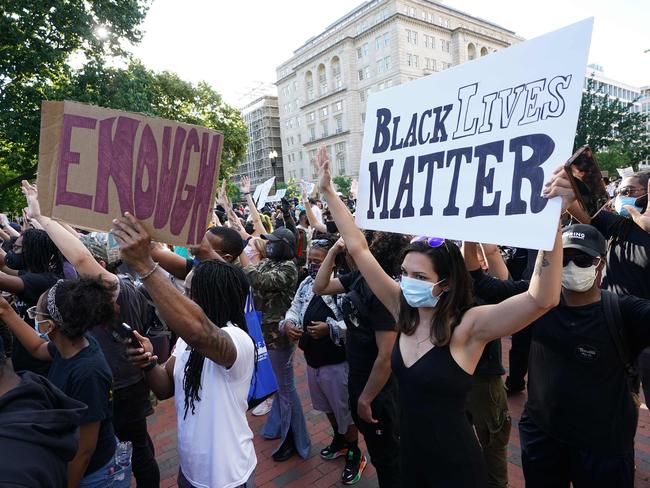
(316, 473)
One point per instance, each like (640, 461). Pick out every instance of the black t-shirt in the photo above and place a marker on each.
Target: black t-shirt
(628, 259)
(86, 377)
(577, 387)
(34, 285)
(135, 311)
(490, 362)
(364, 315)
(319, 352)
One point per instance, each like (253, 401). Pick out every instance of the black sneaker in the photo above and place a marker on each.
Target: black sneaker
(338, 447)
(355, 463)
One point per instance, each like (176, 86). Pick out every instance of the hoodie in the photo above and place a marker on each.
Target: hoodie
(39, 433)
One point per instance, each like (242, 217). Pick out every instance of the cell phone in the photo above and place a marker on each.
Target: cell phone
(587, 180)
(126, 331)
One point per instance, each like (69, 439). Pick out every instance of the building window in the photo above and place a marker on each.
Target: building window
(309, 84)
(412, 60)
(411, 37)
(410, 11)
(431, 64)
(339, 150)
(322, 79)
(364, 73)
(363, 118)
(322, 112)
(338, 105)
(311, 116)
(312, 133)
(324, 132)
(383, 64)
(339, 124)
(362, 51)
(336, 73)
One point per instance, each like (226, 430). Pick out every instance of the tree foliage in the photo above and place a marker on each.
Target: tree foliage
(343, 184)
(38, 39)
(611, 128)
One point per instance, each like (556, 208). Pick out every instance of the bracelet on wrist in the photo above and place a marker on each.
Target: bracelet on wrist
(150, 272)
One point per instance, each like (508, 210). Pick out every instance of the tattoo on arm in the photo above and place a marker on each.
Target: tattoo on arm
(541, 263)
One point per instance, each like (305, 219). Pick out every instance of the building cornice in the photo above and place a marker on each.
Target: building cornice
(321, 139)
(323, 97)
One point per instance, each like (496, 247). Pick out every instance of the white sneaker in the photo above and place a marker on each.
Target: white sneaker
(263, 408)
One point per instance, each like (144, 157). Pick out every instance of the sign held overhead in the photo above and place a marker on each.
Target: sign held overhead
(97, 163)
(465, 153)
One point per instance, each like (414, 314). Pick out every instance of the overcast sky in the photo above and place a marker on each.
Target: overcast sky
(235, 45)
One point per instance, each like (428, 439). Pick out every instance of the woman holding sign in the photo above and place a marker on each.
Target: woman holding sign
(441, 339)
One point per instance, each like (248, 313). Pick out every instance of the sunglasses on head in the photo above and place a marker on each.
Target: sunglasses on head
(580, 260)
(320, 243)
(431, 241)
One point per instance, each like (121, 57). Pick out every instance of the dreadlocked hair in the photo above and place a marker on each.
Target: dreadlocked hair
(220, 289)
(41, 254)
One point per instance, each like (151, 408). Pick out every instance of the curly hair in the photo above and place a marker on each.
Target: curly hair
(387, 247)
(83, 303)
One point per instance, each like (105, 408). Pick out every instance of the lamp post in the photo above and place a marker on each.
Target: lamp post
(272, 157)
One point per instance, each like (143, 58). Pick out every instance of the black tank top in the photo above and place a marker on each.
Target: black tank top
(438, 446)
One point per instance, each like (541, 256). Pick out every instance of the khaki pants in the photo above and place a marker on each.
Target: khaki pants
(487, 409)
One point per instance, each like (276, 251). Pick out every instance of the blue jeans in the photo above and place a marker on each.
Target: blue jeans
(108, 476)
(287, 411)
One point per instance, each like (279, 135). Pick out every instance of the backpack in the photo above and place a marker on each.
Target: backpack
(619, 336)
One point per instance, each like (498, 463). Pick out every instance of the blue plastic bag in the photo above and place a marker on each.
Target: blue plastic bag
(263, 384)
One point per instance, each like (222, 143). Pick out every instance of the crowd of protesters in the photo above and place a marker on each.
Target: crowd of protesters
(400, 335)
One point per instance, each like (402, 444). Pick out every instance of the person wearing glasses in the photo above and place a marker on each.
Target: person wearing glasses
(627, 262)
(441, 339)
(317, 324)
(79, 369)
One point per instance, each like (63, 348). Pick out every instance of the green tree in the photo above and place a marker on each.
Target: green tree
(611, 158)
(609, 125)
(138, 89)
(343, 184)
(37, 39)
(292, 187)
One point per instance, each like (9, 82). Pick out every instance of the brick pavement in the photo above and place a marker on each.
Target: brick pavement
(316, 473)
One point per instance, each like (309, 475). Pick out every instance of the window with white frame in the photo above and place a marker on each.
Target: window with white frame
(322, 112)
(339, 124)
(339, 150)
(311, 116)
(312, 133)
(338, 105)
(323, 126)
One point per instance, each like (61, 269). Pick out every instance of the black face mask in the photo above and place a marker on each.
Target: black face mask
(15, 261)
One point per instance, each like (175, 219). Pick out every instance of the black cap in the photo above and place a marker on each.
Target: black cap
(585, 238)
(282, 234)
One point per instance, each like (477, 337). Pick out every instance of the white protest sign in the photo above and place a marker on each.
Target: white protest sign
(465, 153)
(264, 190)
(278, 196)
(624, 172)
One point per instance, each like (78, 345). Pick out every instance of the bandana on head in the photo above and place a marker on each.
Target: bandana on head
(52, 309)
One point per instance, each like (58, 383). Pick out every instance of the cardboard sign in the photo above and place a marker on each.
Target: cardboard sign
(465, 153)
(97, 163)
(264, 190)
(625, 172)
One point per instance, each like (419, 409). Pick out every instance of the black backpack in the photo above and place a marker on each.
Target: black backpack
(619, 336)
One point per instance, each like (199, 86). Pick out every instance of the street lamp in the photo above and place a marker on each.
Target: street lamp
(273, 156)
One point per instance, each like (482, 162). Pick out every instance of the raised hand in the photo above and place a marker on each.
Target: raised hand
(641, 219)
(322, 164)
(245, 184)
(31, 194)
(560, 186)
(134, 242)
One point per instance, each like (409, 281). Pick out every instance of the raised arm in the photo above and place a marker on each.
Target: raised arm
(71, 247)
(382, 285)
(324, 284)
(180, 314)
(311, 216)
(258, 227)
(496, 265)
(171, 262)
(8, 229)
(32, 343)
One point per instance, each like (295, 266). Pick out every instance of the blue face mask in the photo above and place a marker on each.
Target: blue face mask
(419, 293)
(620, 201)
(38, 330)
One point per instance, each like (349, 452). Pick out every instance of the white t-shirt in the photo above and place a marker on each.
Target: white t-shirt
(215, 444)
(318, 213)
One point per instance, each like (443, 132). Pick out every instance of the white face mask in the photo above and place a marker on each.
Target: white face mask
(578, 279)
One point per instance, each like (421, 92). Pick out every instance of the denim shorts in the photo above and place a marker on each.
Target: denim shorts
(108, 476)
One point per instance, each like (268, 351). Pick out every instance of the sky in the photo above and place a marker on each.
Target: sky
(237, 45)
